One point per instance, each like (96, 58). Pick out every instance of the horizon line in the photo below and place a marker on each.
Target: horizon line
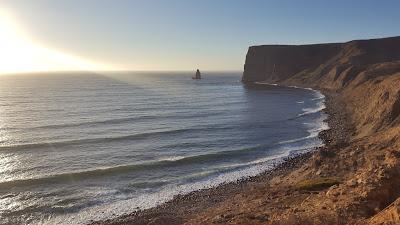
(112, 71)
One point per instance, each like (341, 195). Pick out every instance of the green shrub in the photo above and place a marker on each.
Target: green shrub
(316, 184)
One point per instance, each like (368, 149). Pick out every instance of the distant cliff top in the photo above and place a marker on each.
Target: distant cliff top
(365, 76)
(331, 65)
(331, 43)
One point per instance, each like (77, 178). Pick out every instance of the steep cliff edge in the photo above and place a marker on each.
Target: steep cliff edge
(330, 66)
(365, 72)
(365, 75)
(354, 179)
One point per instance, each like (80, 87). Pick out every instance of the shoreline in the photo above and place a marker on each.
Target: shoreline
(182, 207)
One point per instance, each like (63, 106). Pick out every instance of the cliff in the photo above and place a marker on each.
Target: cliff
(331, 66)
(364, 71)
(354, 179)
(365, 76)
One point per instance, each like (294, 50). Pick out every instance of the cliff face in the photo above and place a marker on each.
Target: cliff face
(362, 83)
(365, 75)
(280, 62)
(365, 72)
(329, 66)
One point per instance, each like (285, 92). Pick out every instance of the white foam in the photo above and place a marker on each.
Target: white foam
(151, 200)
(258, 161)
(146, 201)
(256, 167)
(318, 95)
(297, 139)
(317, 126)
(172, 158)
(314, 129)
(310, 89)
(265, 83)
(319, 107)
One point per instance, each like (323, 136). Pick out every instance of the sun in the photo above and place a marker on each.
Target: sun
(19, 54)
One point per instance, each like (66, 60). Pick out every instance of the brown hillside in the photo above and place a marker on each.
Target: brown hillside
(354, 179)
(365, 74)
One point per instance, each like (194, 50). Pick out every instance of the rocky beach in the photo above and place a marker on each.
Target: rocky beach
(353, 179)
(182, 209)
(199, 112)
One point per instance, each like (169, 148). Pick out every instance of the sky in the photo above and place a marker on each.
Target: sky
(175, 34)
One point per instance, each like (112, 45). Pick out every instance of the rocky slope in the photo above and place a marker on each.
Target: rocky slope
(365, 72)
(354, 179)
(365, 75)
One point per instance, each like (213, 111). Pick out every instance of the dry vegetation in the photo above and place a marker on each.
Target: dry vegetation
(316, 184)
(355, 179)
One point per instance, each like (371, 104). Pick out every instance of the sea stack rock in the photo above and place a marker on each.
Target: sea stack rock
(197, 75)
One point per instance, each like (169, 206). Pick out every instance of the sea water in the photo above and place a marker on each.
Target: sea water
(76, 147)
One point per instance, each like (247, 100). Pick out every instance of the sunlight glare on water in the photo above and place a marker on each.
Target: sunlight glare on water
(74, 144)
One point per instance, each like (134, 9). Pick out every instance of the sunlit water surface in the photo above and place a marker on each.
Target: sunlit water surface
(80, 146)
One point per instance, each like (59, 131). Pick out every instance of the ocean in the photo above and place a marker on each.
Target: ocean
(84, 146)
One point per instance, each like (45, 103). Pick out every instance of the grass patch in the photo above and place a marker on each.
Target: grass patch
(316, 184)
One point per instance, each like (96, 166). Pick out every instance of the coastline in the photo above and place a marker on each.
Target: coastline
(353, 179)
(182, 208)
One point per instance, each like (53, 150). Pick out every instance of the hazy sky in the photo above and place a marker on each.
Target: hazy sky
(189, 34)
